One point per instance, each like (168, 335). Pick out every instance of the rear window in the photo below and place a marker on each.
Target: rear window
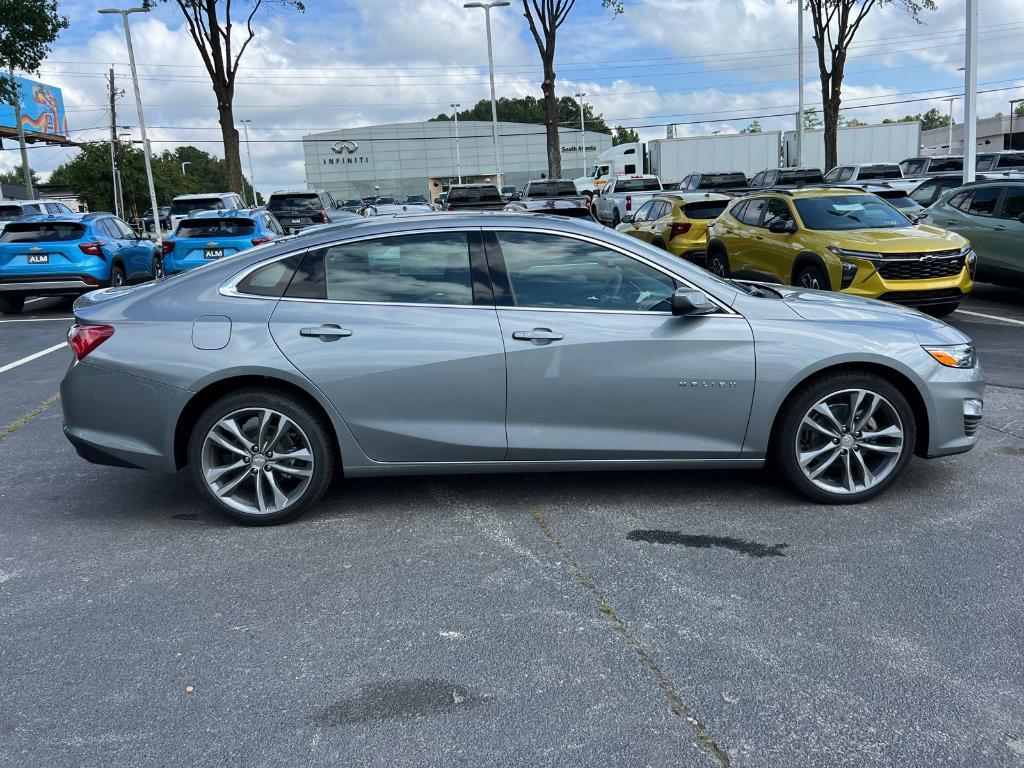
(938, 165)
(294, 203)
(474, 195)
(637, 185)
(11, 212)
(185, 207)
(216, 228)
(41, 232)
(719, 180)
(1015, 160)
(880, 172)
(708, 210)
(551, 189)
(809, 176)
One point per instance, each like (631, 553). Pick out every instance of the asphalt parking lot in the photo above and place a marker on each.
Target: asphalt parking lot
(635, 619)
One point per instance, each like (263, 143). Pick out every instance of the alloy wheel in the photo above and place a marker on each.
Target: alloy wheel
(849, 441)
(809, 280)
(158, 268)
(717, 266)
(257, 461)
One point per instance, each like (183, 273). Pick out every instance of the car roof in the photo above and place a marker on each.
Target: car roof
(22, 202)
(816, 191)
(228, 213)
(296, 191)
(67, 218)
(691, 197)
(202, 195)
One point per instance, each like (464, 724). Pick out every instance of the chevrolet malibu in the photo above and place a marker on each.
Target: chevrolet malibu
(501, 342)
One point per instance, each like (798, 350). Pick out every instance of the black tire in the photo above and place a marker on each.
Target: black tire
(11, 305)
(318, 434)
(659, 243)
(117, 276)
(616, 219)
(814, 277)
(158, 267)
(718, 262)
(784, 446)
(942, 310)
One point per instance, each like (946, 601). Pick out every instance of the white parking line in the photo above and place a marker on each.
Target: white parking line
(991, 317)
(34, 356)
(36, 319)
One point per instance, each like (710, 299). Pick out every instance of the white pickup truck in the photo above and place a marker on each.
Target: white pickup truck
(624, 194)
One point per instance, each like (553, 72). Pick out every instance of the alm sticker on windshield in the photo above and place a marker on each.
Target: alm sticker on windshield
(848, 207)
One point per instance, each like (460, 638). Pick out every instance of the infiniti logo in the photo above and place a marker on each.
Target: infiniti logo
(344, 147)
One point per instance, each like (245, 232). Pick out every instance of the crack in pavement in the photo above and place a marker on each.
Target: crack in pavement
(18, 423)
(665, 685)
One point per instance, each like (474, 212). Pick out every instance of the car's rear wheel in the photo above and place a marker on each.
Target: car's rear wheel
(261, 457)
(718, 262)
(12, 305)
(117, 276)
(158, 267)
(844, 437)
(812, 276)
(659, 243)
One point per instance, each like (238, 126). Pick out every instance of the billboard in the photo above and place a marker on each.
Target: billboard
(42, 111)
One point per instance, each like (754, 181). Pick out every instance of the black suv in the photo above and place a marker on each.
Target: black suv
(301, 208)
(474, 197)
(714, 182)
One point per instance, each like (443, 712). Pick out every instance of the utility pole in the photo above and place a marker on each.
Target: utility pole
(25, 170)
(949, 141)
(252, 175)
(971, 92)
(583, 133)
(800, 83)
(458, 158)
(490, 67)
(113, 93)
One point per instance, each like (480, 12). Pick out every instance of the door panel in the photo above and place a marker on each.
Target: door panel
(626, 385)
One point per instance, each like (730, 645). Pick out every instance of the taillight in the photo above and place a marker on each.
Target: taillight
(85, 338)
(166, 248)
(91, 249)
(678, 229)
(449, 208)
(323, 217)
(629, 202)
(260, 240)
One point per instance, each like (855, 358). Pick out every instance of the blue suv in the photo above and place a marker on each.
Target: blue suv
(70, 254)
(215, 234)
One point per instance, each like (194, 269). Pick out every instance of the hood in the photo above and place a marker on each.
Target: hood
(909, 239)
(827, 306)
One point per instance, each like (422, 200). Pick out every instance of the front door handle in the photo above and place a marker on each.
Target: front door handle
(537, 335)
(326, 332)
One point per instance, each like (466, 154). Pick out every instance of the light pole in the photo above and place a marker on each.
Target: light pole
(458, 159)
(970, 127)
(800, 84)
(583, 133)
(252, 175)
(490, 65)
(949, 141)
(186, 162)
(142, 119)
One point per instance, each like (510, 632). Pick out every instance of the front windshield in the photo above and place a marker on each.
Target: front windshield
(839, 212)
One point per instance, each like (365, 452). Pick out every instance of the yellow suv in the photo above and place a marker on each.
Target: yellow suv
(845, 240)
(677, 222)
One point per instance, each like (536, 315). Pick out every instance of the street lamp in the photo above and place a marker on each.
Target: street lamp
(183, 164)
(583, 133)
(252, 175)
(458, 159)
(949, 141)
(142, 120)
(490, 65)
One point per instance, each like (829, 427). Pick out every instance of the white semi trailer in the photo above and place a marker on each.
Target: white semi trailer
(672, 159)
(885, 143)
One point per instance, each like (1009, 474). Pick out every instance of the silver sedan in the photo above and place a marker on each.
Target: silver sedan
(501, 342)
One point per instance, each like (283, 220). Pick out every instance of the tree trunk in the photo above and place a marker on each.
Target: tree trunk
(831, 109)
(229, 134)
(551, 120)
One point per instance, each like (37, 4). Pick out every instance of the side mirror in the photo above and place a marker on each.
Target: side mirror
(922, 215)
(689, 301)
(627, 219)
(145, 236)
(780, 227)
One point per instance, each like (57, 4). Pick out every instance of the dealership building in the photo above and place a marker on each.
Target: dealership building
(405, 159)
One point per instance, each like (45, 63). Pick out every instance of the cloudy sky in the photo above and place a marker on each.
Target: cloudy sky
(705, 64)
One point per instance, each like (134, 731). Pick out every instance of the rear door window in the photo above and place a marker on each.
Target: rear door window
(752, 212)
(1013, 203)
(983, 201)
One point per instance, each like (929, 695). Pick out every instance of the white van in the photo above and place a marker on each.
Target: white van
(185, 205)
(623, 160)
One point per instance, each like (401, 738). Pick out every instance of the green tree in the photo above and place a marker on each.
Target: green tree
(17, 176)
(88, 174)
(1019, 111)
(929, 120)
(528, 109)
(624, 136)
(754, 127)
(811, 119)
(212, 28)
(27, 29)
(834, 24)
(545, 18)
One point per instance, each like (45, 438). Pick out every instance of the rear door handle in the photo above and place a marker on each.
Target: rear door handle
(326, 332)
(537, 334)
(999, 229)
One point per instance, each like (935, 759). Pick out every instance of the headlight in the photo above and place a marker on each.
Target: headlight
(849, 272)
(853, 254)
(954, 356)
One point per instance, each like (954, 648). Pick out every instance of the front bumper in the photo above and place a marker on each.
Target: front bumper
(120, 420)
(954, 421)
(932, 291)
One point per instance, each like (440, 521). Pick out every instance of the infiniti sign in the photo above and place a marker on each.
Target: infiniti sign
(344, 147)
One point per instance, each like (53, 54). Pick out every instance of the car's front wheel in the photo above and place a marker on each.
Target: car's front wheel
(12, 305)
(942, 310)
(616, 219)
(844, 437)
(812, 276)
(718, 262)
(261, 457)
